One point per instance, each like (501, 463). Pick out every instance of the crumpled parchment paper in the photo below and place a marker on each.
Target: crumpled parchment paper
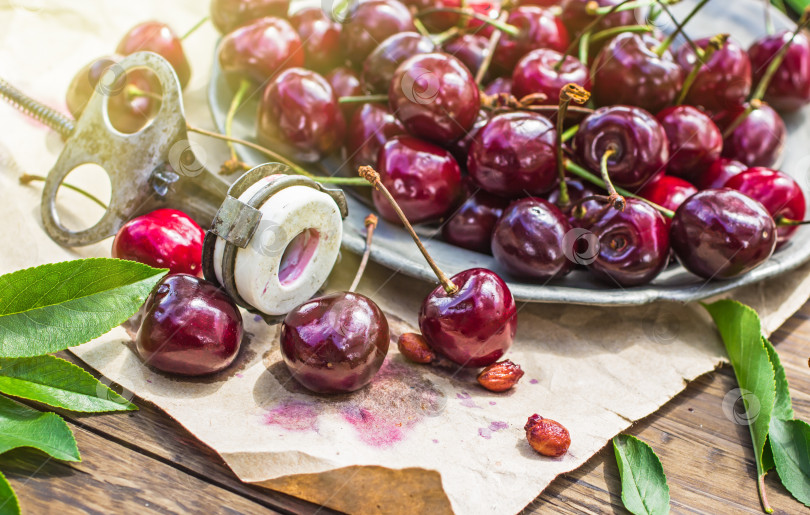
(419, 438)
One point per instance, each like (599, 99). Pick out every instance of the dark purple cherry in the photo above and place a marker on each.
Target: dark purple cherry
(345, 83)
(423, 178)
(758, 141)
(639, 140)
(299, 114)
(472, 224)
(722, 233)
(667, 191)
(190, 327)
(320, 37)
(461, 147)
(371, 23)
(633, 245)
(723, 82)
(499, 86)
(370, 127)
(536, 72)
(513, 155)
(577, 190)
(475, 326)
(694, 140)
(380, 65)
(470, 49)
(435, 97)
(539, 28)
(230, 14)
(528, 240)
(777, 191)
(718, 173)
(789, 88)
(157, 37)
(576, 17)
(335, 343)
(259, 50)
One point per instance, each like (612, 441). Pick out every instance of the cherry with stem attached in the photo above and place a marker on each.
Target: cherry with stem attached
(568, 93)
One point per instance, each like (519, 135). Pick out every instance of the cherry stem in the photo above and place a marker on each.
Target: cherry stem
(570, 133)
(498, 24)
(762, 497)
(568, 93)
(736, 122)
(420, 27)
(616, 200)
(133, 91)
(493, 42)
(582, 173)
(345, 181)
(584, 45)
(609, 33)
(369, 174)
(679, 28)
(362, 99)
(787, 222)
(715, 44)
(235, 103)
(193, 29)
(371, 224)
(777, 59)
(587, 30)
(27, 179)
(624, 6)
(444, 37)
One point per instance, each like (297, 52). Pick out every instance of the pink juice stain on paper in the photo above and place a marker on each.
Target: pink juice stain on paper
(494, 427)
(294, 415)
(466, 400)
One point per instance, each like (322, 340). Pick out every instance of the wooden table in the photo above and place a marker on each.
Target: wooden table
(143, 461)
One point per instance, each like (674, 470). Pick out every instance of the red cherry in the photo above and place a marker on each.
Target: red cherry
(320, 36)
(501, 85)
(723, 82)
(381, 64)
(576, 17)
(259, 50)
(345, 83)
(157, 37)
(472, 224)
(539, 28)
(789, 88)
(227, 15)
(758, 141)
(536, 72)
(719, 173)
(371, 126)
(694, 140)
(371, 23)
(470, 49)
(667, 191)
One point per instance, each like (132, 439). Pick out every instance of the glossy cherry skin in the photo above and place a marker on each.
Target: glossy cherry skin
(230, 14)
(461, 147)
(629, 71)
(499, 86)
(157, 37)
(539, 28)
(320, 38)
(299, 113)
(370, 127)
(633, 245)
(718, 173)
(335, 343)
(423, 178)
(259, 50)
(723, 82)
(528, 240)
(475, 326)
(166, 238)
(758, 141)
(372, 22)
(640, 142)
(722, 233)
(190, 327)
(345, 82)
(472, 224)
(536, 73)
(777, 191)
(789, 88)
(576, 17)
(695, 142)
(667, 191)
(513, 154)
(435, 97)
(380, 65)
(577, 190)
(470, 49)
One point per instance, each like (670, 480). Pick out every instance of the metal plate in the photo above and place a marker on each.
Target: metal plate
(394, 248)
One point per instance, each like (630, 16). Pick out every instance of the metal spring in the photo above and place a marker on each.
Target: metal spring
(48, 116)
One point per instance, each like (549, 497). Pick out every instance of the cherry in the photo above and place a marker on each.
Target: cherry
(370, 127)
(577, 190)
(157, 37)
(722, 233)
(789, 88)
(470, 49)
(380, 65)
(640, 143)
(320, 37)
(371, 22)
(723, 82)
(756, 141)
(424, 179)
(513, 155)
(299, 113)
(629, 70)
(528, 240)
(537, 72)
(190, 327)
(461, 147)
(633, 244)
(345, 82)
(335, 343)
(166, 238)
(438, 21)
(694, 140)
(777, 191)
(227, 15)
(501, 85)
(435, 97)
(259, 50)
(472, 224)
(719, 173)
(576, 17)
(667, 191)
(539, 28)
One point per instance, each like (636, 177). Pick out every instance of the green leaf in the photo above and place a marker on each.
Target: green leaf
(9, 505)
(58, 383)
(782, 407)
(21, 426)
(798, 5)
(644, 484)
(790, 443)
(741, 332)
(53, 307)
